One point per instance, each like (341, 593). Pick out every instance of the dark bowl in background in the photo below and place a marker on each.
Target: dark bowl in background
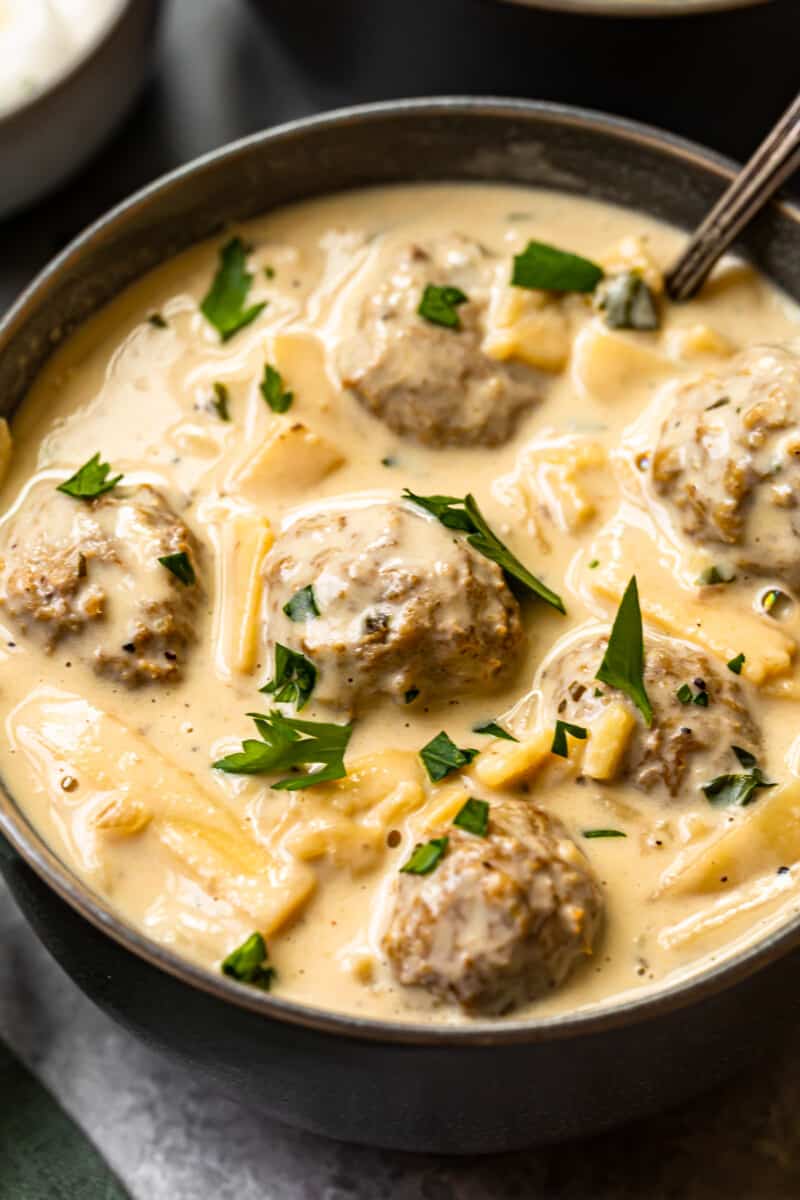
(638, 8)
(489, 1086)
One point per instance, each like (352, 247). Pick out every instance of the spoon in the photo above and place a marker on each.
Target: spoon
(774, 160)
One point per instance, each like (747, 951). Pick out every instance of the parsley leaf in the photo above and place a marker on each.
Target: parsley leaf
(441, 756)
(302, 606)
(446, 510)
(684, 694)
(220, 401)
(89, 481)
(623, 662)
(737, 663)
(546, 268)
(294, 678)
(559, 745)
(736, 789)
(744, 756)
(439, 304)
(273, 391)
(492, 729)
(426, 857)
(249, 963)
(473, 817)
(180, 565)
(223, 304)
(465, 516)
(287, 744)
(602, 833)
(627, 302)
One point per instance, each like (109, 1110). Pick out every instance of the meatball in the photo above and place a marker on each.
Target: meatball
(90, 570)
(689, 742)
(399, 604)
(727, 461)
(426, 381)
(502, 919)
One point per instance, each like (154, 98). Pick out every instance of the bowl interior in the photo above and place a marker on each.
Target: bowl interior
(449, 139)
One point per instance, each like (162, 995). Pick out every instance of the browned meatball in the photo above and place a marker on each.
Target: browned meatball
(688, 743)
(90, 570)
(727, 461)
(404, 606)
(425, 381)
(501, 920)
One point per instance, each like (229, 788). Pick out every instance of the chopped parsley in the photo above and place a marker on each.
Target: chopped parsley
(627, 303)
(716, 574)
(425, 857)
(269, 272)
(594, 564)
(546, 268)
(736, 664)
(774, 602)
(220, 401)
(738, 789)
(302, 606)
(687, 696)
(89, 481)
(288, 744)
(157, 321)
(744, 756)
(180, 565)
(473, 817)
(492, 729)
(249, 963)
(465, 516)
(559, 745)
(294, 678)
(723, 400)
(223, 306)
(441, 756)
(274, 392)
(602, 833)
(623, 662)
(439, 305)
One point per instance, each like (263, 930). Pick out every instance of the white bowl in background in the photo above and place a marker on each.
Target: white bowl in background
(49, 135)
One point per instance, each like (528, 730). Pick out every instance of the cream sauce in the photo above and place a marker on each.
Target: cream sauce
(564, 493)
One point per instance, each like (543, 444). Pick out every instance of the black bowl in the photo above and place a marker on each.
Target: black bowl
(489, 1086)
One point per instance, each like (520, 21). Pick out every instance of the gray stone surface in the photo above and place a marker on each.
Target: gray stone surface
(221, 73)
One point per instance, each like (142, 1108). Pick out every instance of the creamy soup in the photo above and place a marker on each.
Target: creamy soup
(381, 469)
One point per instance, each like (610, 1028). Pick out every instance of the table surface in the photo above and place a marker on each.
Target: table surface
(223, 70)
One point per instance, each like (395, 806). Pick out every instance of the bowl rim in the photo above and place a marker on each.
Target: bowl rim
(627, 1009)
(70, 69)
(638, 8)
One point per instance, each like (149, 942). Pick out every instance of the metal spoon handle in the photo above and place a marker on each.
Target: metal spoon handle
(774, 160)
